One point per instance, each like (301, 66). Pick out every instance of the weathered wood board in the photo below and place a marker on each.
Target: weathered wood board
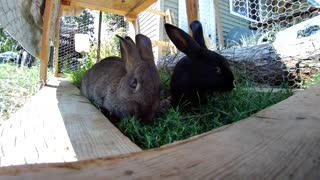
(59, 125)
(280, 142)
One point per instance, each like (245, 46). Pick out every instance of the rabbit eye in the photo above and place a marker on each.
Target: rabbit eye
(134, 83)
(217, 70)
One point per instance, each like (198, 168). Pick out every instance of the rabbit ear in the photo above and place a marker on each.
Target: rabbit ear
(128, 51)
(197, 33)
(129, 39)
(183, 41)
(145, 48)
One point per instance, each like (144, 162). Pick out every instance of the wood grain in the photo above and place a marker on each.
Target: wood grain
(192, 8)
(280, 142)
(46, 30)
(124, 8)
(59, 125)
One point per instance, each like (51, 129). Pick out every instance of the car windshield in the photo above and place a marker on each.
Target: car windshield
(8, 53)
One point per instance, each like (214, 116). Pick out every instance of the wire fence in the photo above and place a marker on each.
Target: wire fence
(101, 44)
(283, 22)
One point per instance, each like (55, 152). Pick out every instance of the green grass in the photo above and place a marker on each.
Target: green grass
(181, 123)
(16, 86)
(76, 76)
(313, 79)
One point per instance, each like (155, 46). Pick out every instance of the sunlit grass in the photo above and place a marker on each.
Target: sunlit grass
(180, 123)
(16, 86)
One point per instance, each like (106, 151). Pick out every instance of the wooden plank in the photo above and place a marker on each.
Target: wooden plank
(134, 27)
(66, 2)
(218, 24)
(59, 125)
(56, 45)
(155, 11)
(139, 7)
(280, 142)
(162, 44)
(124, 8)
(109, 6)
(44, 54)
(192, 7)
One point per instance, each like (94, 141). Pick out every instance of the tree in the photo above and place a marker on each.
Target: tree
(84, 22)
(114, 21)
(7, 43)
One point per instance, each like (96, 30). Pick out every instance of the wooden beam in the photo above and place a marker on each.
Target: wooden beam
(154, 11)
(66, 2)
(99, 6)
(280, 142)
(218, 24)
(44, 54)
(56, 45)
(192, 7)
(99, 37)
(134, 27)
(162, 44)
(59, 125)
(140, 7)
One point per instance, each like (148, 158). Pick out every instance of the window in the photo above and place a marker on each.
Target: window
(247, 9)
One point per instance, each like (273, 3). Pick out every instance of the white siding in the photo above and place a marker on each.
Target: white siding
(152, 25)
(149, 26)
(173, 5)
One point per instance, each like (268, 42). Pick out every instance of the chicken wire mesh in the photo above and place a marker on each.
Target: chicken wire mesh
(100, 46)
(274, 21)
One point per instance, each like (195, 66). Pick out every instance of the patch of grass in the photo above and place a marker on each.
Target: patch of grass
(181, 123)
(313, 79)
(75, 76)
(16, 86)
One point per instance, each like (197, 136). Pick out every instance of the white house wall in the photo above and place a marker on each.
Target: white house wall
(149, 26)
(173, 5)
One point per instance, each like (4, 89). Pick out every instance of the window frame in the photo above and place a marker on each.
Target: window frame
(239, 15)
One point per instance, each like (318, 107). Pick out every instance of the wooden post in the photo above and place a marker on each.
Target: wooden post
(192, 7)
(99, 37)
(133, 27)
(56, 45)
(218, 24)
(45, 41)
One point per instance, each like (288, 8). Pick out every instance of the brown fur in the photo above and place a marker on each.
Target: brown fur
(126, 86)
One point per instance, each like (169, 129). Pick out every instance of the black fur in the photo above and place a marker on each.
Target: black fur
(201, 71)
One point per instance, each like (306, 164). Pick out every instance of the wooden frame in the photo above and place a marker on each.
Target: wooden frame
(280, 142)
(192, 11)
(46, 30)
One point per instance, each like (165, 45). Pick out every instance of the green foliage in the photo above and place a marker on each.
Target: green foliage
(76, 76)
(7, 43)
(180, 123)
(16, 86)
(165, 77)
(110, 45)
(114, 21)
(309, 81)
(84, 22)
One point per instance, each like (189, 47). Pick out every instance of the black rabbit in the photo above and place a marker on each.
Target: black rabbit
(201, 71)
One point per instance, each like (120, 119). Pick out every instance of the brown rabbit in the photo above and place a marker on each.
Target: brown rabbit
(127, 86)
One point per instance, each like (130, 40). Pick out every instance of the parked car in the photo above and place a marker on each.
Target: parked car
(9, 55)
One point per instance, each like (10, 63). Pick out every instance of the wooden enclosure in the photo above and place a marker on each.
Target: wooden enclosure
(280, 142)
